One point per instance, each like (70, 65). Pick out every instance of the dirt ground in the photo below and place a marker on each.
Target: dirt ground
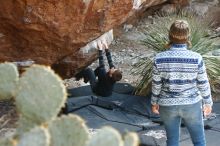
(125, 50)
(8, 118)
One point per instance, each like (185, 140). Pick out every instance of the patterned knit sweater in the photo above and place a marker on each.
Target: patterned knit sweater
(179, 78)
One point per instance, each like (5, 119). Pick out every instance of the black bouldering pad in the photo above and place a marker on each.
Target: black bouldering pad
(138, 105)
(127, 112)
(122, 88)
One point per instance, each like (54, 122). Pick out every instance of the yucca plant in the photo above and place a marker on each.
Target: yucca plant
(156, 36)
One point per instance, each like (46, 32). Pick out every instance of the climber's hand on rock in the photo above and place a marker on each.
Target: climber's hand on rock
(100, 45)
(105, 44)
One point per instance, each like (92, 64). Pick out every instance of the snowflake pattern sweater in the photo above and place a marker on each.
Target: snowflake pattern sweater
(179, 78)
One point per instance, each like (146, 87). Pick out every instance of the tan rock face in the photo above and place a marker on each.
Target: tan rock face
(52, 32)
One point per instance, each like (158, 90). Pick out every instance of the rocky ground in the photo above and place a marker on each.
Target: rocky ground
(126, 50)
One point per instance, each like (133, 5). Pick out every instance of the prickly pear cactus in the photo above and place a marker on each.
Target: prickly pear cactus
(68, 131)
(24, 125)
(131, 139)
(8, 80)
(38, 136)
(41, 94)
(106, 136)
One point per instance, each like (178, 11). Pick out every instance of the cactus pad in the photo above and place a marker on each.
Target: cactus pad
(41, 94)
(131, 139)
(68, 131)
(106, 136)
(24, 125)
(38, 136)
(8, 80)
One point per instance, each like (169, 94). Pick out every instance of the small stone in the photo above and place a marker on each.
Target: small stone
(134, 61)
(114, 42)
(200, 8)
(129, 50)
(26, 20)
(218, 29)
(126, 80)
(133, 54)
(216, 52)
(150, 17)
(123, 50)
(128, 27)
(212, 2)
(114, 54)
(151, 20)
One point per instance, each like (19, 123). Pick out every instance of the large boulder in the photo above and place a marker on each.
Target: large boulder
(51, 32)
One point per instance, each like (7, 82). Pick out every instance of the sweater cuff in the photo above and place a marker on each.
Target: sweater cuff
(207, 101)
(154, 100)
(100, 52)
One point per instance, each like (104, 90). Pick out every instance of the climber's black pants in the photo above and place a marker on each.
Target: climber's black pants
(89, 75)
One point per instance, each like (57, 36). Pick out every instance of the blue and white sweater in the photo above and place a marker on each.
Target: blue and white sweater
(179, 78)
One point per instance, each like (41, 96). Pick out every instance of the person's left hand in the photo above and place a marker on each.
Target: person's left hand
(155, 108)
(100, 45)
(104, 44)
(207, 109)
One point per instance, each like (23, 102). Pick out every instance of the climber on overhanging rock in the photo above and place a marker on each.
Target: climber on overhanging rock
(106, 79)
